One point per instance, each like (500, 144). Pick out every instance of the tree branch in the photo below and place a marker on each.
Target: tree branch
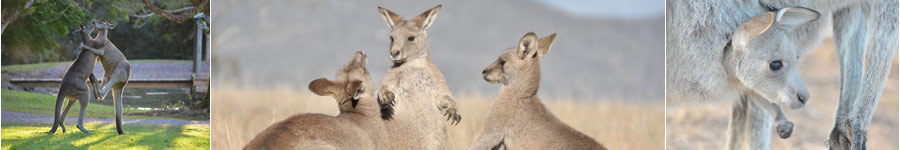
(176, 17)
(180, 10)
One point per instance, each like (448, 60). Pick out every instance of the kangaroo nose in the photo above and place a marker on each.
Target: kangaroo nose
(803, 99)
(395, 52)
(483, 71)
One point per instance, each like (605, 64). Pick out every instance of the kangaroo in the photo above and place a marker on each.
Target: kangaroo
(414, 90)
(116, 68)
(74, 86)
(357, 126)
(518, 119)
(697, 31)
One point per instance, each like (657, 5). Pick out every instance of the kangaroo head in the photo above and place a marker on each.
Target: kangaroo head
(409, 40)
(351, 85)
(764, 59)
(520, 63)
(102, 25)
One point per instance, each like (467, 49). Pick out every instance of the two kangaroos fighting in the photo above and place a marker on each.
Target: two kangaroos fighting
(115, 65)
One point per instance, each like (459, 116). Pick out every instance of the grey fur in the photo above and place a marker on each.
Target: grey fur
(697, 31)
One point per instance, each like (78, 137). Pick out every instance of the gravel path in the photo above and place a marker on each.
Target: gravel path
(72, 119)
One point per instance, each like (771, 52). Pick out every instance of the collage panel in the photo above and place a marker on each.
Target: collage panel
(105, 74)
(773, 74)
(445, 74)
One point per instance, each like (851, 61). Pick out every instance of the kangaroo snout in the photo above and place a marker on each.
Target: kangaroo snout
(799, 100)
(396, 56)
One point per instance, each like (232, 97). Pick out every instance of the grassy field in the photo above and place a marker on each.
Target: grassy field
(39, 66)
(37, 103)
(240, 113)
(17, 135)
(704, 127)
(104, 136)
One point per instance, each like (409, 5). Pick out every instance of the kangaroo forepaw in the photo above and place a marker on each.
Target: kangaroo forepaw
(785, 129)
(386, 97)
(452, 116)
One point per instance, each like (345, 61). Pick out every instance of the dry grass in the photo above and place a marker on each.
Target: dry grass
(240, 113)
(705, 127)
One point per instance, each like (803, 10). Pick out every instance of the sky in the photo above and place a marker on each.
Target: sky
(609, 8)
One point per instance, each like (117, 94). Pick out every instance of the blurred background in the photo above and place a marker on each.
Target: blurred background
(603, 75)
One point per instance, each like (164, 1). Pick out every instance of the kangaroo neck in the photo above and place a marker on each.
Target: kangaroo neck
(525, 85)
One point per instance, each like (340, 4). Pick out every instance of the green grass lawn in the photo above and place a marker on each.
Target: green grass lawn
(104, 136)
(37, 103)
(39, 66)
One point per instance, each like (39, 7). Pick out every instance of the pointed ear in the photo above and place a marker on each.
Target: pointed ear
(323, 87)
(528, 45)
(425, 19)
(390, 17)
(359, 58)
(795, 16)
(752, 28)
(544, 44)
(355, 89)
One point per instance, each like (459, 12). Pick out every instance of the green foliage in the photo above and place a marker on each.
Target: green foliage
(38, 26)
(42, 31)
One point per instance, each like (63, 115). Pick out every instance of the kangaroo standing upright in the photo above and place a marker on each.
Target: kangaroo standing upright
(517, 118)
(416, 86)
(74, 86)
(116, 68)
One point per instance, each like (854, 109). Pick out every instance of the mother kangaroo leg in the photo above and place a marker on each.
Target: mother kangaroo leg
(852, 121)
(750, 125)
(849, 30)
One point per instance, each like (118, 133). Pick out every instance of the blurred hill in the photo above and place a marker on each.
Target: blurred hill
(289, 43)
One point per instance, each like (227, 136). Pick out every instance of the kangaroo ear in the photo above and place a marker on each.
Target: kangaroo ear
(359, 58)
(323, 87)
(752, 28)
(390, 17)
(545, 43)
(528, 46)
(425, 19)
(795, 16)
(355, 89)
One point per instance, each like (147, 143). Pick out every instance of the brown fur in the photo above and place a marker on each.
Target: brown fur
(116, 67)
(416, 85)
(358, 126)
(518, 119)
(74, 86)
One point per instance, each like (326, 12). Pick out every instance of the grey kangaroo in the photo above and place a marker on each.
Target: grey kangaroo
(698, 35)
(116, 68)
(517, 118)
(74, 87)
(422, 97)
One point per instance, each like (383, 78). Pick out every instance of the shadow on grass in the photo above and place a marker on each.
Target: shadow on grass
(103, 136)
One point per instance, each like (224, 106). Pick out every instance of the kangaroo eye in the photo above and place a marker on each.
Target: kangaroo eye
(502, 62)
(776, 65)
(411, 38)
